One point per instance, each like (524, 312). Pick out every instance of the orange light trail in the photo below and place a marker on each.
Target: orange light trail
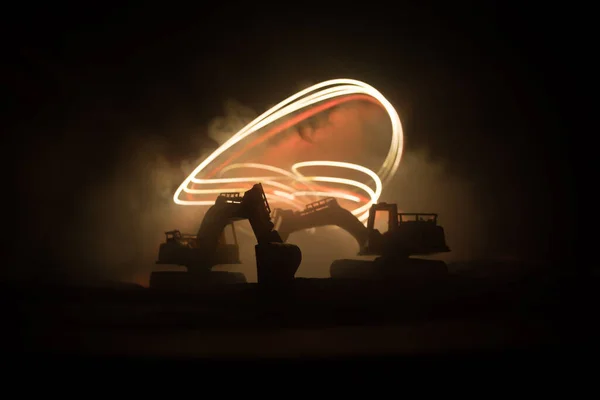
(314, 99)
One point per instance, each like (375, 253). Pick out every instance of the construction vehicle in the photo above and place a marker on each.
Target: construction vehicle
(182, 249)
(276, 261)
(407, 235)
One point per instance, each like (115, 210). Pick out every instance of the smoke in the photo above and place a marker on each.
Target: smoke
(425, 185)
(421, 185)
(359, 132)
(119, 219)
(236, 117)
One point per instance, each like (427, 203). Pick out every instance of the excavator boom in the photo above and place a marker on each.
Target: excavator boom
(320, 213)
(258, 212)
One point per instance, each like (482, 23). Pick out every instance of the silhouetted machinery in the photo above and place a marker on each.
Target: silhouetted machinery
(407, 235)
(276, 261)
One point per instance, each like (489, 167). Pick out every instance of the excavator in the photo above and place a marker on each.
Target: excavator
(276, 260)
(407, 235)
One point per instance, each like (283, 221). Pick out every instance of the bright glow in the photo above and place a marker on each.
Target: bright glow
(330, 194)
(308, 97)
(283, 194)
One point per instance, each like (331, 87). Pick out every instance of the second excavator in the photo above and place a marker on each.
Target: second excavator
(407, 235)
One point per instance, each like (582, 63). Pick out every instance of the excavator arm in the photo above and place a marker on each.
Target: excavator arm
(320, 213)
(276, 260)
(256, 209)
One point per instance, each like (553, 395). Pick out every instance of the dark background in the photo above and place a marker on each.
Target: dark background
(481, 86)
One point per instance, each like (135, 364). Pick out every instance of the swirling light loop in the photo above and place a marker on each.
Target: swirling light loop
(305, 98)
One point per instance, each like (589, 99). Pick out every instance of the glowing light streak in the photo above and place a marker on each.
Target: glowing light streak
(338, 195)
(308, 97)
(283, 194)
(273, 198)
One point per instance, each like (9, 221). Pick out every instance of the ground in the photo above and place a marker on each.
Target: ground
(544, 309)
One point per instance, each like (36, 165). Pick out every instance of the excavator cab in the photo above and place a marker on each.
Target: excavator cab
(407, 234)
(420, 234)
(228, 251)
(173, 236)
(376, 239)
(171, 251)
(184, 249)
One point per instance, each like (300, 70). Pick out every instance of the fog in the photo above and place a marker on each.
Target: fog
(120, 220)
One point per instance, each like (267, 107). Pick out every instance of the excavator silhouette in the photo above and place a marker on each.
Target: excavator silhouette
(407, 235)
(276, 261)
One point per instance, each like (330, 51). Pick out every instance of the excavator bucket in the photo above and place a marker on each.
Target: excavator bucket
(277, 263)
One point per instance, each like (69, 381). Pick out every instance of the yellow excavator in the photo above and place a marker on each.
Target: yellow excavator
(276, 261)
(407, 235)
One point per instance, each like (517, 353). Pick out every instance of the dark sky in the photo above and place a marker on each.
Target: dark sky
(479, 84)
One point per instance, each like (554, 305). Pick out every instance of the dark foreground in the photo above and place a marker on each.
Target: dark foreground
(538, 312)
